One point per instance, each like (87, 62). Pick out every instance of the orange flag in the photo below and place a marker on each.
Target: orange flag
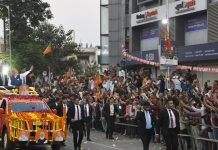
(97, 80)
(65, 80)
(47, 50)
(69, 73)
(167, 39)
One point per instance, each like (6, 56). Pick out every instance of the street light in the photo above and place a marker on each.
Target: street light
(9, 26)
(165, 21)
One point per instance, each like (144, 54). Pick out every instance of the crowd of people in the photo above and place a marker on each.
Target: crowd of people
(136, 105)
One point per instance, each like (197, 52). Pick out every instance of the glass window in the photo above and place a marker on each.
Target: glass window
(104, 20)
(104, 2)
(29, 107)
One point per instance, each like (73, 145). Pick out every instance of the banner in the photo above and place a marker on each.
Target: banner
(182, 67)
(198, 23)
(198, 52)
(149, 33)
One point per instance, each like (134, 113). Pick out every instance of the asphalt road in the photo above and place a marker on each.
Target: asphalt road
(99, 142)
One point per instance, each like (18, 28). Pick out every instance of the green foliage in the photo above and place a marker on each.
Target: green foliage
(30, 52)
(25, 16)
(31, 34)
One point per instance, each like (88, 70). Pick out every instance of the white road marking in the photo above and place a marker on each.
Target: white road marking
(105, 146)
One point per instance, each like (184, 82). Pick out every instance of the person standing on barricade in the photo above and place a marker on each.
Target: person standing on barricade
(75, 115)
(169, 123)
(146, 124)
(109, 113)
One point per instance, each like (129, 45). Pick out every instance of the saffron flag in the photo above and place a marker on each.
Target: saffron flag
(47, 50)
(69, 73)
(167, 39)
(98, 79)
(65, 80)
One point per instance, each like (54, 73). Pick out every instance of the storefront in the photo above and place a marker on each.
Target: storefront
(151, 55)
(202, 55)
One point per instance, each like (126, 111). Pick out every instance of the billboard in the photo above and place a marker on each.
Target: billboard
(198, 52)
(149, 33)
(194, 24)
(183, 7)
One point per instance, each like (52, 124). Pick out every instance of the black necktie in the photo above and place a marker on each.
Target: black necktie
(78, 111)
(85, 111)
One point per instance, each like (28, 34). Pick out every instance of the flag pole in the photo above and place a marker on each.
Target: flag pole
(49, 77)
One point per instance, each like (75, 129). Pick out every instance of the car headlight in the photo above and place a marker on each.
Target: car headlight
(23, 136)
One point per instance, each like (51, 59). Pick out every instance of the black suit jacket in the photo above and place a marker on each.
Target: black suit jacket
(141, 122)
(52, 105)
(97, 111)
(90, 111)
(164, 120)
(60, 108)
(71, 112)
(106, 111)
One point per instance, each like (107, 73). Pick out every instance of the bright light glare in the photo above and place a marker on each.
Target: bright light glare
(165, 21)
(5, 70)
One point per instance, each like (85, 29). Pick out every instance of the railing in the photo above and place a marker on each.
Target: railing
(196, 142)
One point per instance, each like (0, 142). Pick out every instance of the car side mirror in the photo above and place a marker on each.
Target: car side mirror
(2, 111)
(54, 111)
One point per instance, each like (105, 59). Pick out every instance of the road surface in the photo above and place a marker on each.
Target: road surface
(99, 142)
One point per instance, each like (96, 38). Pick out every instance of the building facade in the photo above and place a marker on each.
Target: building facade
(137, 24)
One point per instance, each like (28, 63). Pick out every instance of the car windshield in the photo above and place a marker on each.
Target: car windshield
(29, 107)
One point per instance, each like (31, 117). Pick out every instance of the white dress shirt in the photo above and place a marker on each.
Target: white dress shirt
(22, 77)
(86, 108)
(173, 117)
(148, 119)
(111, 109)
(76, 113)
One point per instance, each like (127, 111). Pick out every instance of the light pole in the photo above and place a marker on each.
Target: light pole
(9, 28)
(165, 22)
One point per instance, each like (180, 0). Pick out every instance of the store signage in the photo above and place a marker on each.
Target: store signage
(185, 6)
(194, 24)
(149, 33)
(147, 16)
(139, 57)
(198, 52)
(151, 55)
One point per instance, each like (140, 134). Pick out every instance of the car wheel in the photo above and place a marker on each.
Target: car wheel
(7, 144)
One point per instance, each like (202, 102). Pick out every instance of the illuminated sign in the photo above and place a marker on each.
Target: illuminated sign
(147, 16)
(185, 6)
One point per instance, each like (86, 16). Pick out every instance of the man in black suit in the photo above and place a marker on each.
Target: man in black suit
(98, 125)
(169, 123)
(109, 114)
(75, 115)
(87, 109)
(146, 125)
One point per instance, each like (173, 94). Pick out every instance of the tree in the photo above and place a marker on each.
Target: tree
(31, 34)
(31, 53)
(25, 16)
